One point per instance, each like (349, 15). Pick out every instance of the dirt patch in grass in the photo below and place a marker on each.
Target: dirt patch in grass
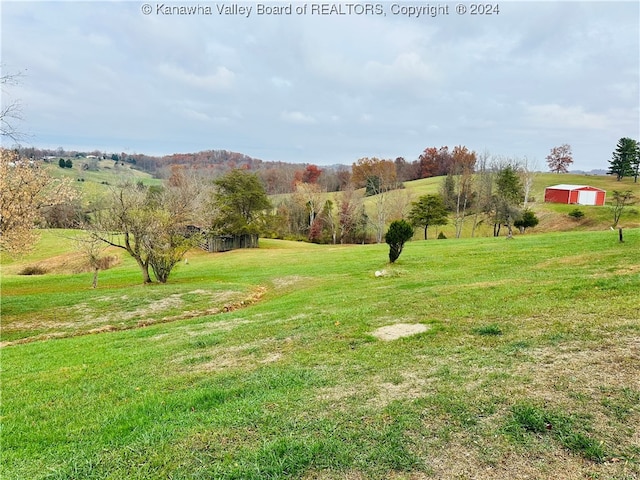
(459, 460)
(623, 270)
(582, 260)
(476, 457)
(288, 281)
(219, 326)
(609, 363)
(67, 264)
(222, 356)
(600, 382)
(271, 357)
(91, 320)
(167, 303)
(399, 330)
(379, 391)
(410, 387)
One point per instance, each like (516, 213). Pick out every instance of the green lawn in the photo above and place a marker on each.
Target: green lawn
(263, 364)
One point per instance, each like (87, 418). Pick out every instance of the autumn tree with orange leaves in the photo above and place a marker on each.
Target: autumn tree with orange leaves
(435, 162)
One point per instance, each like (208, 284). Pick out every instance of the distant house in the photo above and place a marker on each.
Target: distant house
(575, 194)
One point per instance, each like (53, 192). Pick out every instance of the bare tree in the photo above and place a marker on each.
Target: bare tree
(399, 203)
(620, 200)
(122, 224)
(527, 170)
(349, 212)
(10, 110)
(330, 221)
(484, 190)
(311, 196)
(91, 248)
(560, 158)
(463, 168)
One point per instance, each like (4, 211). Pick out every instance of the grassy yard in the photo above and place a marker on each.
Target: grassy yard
(265, 363)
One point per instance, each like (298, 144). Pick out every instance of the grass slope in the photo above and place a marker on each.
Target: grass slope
(529, 366)
(95, 183)
(553, 217)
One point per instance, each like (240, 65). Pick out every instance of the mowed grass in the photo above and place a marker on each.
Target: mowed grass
(529, 366)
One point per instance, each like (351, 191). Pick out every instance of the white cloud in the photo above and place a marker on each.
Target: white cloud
(297, 117)
(195, 115)
(406, 67)
(99, 40)
(222, 78)
(558, 116)
(281, 82)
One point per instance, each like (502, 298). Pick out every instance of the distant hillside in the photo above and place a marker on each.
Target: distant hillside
(93, 176)
(278, 177)
(223, 160)
(553, 216)
(209, 159)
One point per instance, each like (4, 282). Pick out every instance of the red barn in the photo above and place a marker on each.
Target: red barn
(575, 194)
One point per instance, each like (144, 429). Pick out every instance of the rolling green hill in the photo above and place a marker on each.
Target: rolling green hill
(94, 182)
(553, 217)
(473, 358)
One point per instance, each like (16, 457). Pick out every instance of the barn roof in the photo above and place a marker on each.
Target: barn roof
(564, 186)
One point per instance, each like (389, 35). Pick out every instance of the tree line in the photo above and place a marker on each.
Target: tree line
(157, 225)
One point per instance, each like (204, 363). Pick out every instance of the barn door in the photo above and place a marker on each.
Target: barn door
(587, 197)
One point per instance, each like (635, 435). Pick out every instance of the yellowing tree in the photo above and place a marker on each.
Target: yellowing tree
(150, 224)
(25, 189)
(378, 177)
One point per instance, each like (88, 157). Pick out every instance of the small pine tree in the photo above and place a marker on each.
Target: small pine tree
(527, 220)
(399, 232)
(62, 163)
(576, 214)
(68, 163)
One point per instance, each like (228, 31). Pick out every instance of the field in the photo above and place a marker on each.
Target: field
(268, 363)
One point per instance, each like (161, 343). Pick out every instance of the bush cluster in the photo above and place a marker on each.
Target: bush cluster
(33, 270)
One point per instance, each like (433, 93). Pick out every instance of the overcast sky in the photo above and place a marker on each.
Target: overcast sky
(324, 88)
